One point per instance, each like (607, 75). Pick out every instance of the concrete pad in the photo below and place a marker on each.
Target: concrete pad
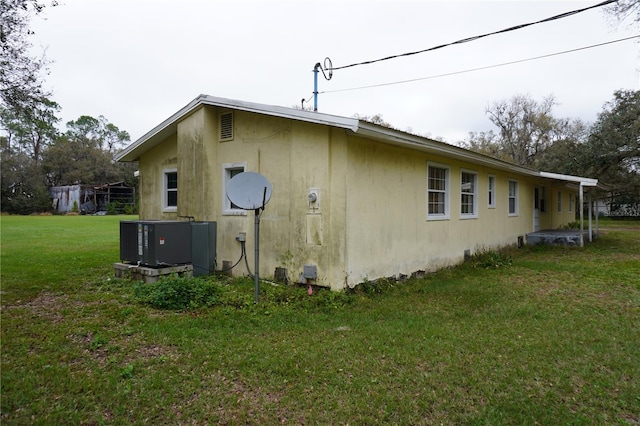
(147, 274)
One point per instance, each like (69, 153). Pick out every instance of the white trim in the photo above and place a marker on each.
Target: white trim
(474, 214)
(169, 126)
(572, 200)
(226, 203)
(447, 190)
(165, 207)
(516, 198)
(559, 202)
(492, 191)
(582, 180)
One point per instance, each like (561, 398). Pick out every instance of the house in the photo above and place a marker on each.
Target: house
(385, 203)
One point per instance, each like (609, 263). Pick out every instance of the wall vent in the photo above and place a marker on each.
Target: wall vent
(226, 126)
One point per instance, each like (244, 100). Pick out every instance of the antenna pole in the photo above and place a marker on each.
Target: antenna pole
(315, 86)
(257, 255)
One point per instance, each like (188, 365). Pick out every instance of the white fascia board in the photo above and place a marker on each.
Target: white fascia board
(169, 126)
(161, 131)
(569, 178)
(399, 138)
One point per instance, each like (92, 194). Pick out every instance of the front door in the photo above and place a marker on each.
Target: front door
(536, 209)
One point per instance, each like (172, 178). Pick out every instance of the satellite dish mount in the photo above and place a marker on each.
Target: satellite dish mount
(251, 191)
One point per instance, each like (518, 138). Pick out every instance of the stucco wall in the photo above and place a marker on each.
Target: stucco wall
(388, 231)
(151, 166)
(370, 219)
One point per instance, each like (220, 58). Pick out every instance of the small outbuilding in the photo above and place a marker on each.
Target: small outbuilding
(351, 201)
(90, 199)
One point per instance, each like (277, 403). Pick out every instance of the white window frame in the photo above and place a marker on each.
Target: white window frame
(559, 201)
(166, 208)
(473, 194)
(515, 196)
(491, 183)
(227, 208)
(571, 202)
(446, 191)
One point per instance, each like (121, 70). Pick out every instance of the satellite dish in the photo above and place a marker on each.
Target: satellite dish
(249, 190)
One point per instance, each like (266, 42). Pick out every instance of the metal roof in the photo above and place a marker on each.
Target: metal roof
(169, 126)
(357, 127)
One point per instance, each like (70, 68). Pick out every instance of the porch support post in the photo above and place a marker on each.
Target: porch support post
(597, 213)
(590, 203)
(580, 203)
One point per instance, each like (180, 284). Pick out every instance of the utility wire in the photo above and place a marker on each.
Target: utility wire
(481, 68)
(466, 40)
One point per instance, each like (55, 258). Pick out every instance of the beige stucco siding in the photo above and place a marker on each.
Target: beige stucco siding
(388, 230)
(370, 220)
(550, 217)
(151, 166)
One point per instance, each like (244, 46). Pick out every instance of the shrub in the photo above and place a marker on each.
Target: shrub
(490, 259)
(112, 208)
(178, 293)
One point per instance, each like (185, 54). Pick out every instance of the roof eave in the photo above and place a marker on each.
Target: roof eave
(169, 126)
(420, 143)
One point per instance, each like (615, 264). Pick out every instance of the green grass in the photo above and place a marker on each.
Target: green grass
(554, 338)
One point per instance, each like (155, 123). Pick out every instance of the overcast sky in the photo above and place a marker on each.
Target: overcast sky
(137, 62)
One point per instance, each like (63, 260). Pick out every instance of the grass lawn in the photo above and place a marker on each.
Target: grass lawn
(552, 339)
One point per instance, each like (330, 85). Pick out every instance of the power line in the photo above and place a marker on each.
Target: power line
(481, 68)
(468, 39)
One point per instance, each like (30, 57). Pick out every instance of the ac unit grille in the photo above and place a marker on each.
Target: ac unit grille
(226, 126)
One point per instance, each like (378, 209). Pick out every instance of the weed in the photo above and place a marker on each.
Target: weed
(97, 342)
(175, 292)
(490, 259)
(127, 372)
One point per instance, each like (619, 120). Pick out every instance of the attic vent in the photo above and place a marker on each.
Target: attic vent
(226, 126)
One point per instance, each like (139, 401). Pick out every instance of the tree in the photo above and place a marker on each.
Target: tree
(525, 126)
(21, 85)
(97, 133)
(23, 189)
(566, 154)
(84, 154)
(31, 133)
(612, 152)
(526, 130)
(622, 9)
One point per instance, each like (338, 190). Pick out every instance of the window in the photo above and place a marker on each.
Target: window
(468, 196)
(543, 200)
(438, 192)
(571, 203)
(513, 198)
(228, 171)
(492, 192)
(559, 201)
(169, 190)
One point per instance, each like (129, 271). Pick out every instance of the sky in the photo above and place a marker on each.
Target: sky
(136, 62)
